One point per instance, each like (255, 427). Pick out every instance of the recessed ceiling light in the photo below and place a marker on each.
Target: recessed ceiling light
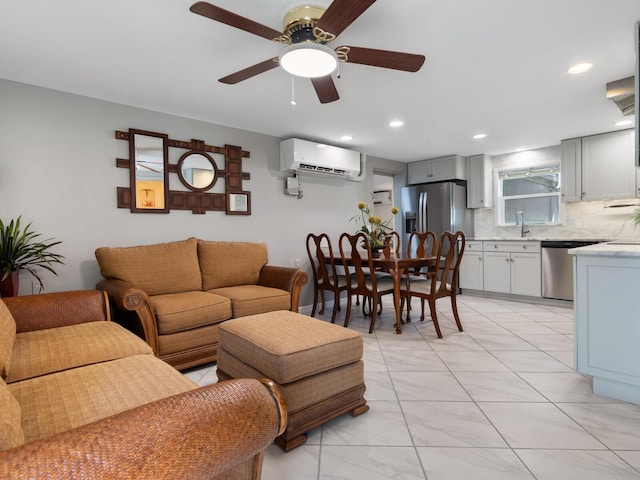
(479, 136)
(624, 123)
(396, 123)
(346, 138)
(580, 68)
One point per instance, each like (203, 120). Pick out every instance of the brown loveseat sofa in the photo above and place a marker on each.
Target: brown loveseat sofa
(82, 397)
(174, 295)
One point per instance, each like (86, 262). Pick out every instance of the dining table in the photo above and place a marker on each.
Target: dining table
(396, 264)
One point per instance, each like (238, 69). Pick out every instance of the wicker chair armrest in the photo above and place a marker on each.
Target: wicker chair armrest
(203, 433)
(290, 279)
(125, 299)
(51, 310)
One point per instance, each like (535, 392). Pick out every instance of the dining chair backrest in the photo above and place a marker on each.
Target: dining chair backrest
(422, 244)
(450, 250)
(394, 241)
(356, 259)
(321, 258)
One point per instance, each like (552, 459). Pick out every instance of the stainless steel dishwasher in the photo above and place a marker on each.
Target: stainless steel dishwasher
(557, 268)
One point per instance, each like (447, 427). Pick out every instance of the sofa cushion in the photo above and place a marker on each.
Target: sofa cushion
(7, 339)
(227, 264)
(184, 311)
(193, 339)
(64, 400)
(157, 269)
(55, 349)
(11, 433)
(251, 299)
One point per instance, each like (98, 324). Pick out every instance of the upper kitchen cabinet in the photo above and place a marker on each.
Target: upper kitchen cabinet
(479, 181)
(598, 167)
(570, 170)
(451, 167)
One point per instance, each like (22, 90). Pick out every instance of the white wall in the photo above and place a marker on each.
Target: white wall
(580, 220)
(57, 170)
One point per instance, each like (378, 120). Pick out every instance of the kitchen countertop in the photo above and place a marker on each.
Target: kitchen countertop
(534, 239)
(613, 249)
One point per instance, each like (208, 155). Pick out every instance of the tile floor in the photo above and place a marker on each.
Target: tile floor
(499, 401)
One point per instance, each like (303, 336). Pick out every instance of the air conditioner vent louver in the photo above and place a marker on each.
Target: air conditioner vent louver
(309, 157)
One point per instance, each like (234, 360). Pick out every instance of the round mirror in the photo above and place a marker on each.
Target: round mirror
(197, 171)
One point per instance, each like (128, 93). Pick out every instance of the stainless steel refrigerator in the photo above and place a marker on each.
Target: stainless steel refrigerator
(439, 207)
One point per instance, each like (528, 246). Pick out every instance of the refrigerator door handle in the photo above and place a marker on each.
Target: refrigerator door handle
(422, 212)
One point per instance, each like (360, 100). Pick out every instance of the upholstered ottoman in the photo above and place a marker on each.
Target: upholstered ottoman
(317, 365)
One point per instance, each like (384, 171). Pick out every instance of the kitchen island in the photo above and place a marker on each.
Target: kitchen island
(607, 317)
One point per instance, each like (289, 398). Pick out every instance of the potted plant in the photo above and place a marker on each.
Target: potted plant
(376, 229)
(19, 250)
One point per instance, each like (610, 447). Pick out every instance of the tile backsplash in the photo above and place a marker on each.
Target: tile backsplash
(581, 220)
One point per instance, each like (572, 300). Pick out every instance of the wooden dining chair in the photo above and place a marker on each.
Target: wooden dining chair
(325, 276)
(442, 281)
(394, 243)
(370, 287)
(420, 244)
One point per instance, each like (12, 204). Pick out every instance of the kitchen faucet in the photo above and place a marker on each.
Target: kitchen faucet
(524, 229)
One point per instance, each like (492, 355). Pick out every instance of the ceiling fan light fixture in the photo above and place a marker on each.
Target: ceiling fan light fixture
(309, 60)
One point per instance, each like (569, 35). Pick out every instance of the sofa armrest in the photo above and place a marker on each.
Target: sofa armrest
(202, 433)
(290, 279)
(51, 310)
(132, 309)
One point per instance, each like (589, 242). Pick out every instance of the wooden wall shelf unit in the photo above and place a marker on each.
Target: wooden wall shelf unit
(197, 170)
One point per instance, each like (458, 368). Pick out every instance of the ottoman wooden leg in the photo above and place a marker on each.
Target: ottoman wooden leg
(359, 410)
(288, 445)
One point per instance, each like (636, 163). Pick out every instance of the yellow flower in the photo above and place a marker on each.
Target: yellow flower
(373, 226)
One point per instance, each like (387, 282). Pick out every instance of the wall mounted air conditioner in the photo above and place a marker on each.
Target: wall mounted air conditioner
(304, 156)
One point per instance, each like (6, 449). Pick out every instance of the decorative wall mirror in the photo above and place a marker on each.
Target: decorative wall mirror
(197, 171)
(149, 180)
(149, 168)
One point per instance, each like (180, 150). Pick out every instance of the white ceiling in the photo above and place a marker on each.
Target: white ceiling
(492, 66)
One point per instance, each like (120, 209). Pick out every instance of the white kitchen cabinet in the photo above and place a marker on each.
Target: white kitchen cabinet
(570, 170)
(497, 272)
(479, 181)
(513, 267)
(607, 331)
(608, 166)
(526, 275)
(598, 167)
(472, 267)
(451, 167)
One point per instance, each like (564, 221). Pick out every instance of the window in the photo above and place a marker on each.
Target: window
(535, 192)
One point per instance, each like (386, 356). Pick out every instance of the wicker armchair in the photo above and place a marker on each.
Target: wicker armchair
(214, 432)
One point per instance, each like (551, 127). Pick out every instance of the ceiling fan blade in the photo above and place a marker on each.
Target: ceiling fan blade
(407, 62)
(229, 18)
(341, 14)
(251, 71)
(326, 89)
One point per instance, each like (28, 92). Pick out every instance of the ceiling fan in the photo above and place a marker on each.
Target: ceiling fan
(307, 31)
